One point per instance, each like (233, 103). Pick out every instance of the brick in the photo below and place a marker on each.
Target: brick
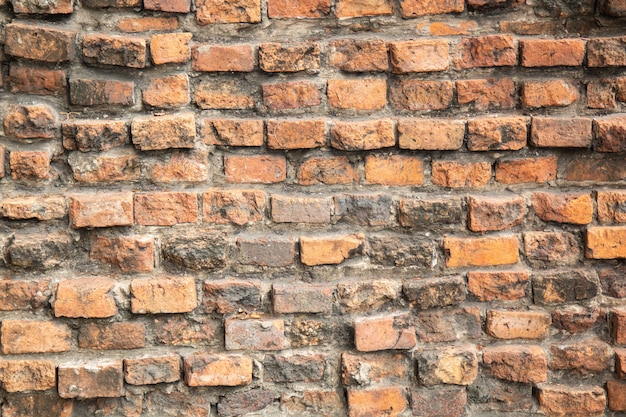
(357, 136)
(238, 403)
(498, 396)
(232, 132)
(45, 404)
(416, 8)
(326, 402)
(445, 325)
(111, 4)
(173, 6)
(394, 170)
(223, 95)
(420, 95)
(296, 57)
(391, 332)
(563, 208)
(28, 375)
(238, 207)
(251, 334)
(486, 51)
(166, 92)
(526, 170)
(89, 92)
(618, 325)
(557, 132)
(557, 247)
(365, 210)
(39, 251)
(169, 404)
(613, 8)
(611, 206)
(517, 363)
(613, 281)
(552, 52)
(426, 212)
(442, 402)
(457, 174)
(610, 133)
(291, 95)
(238, 11)
(294, 368)
(167, 48)
(601, 95)
(31, 122)
(266, 251)
(222, 58)
(287, 209)
(620, 362)
(179, 166)
(178, 331)
(102, 168)
(485, 94)
(91, 379)
(231, 296)
(152, 370)
(591, 356)
(23, 336)
(430, 134)
(558, 400)
(495, 213)
(498, 285)
(147, 24)
(256, 169)
(517, 324)
(461, 27)
(551, 93)
(373, 368)
(125, 51)
(327, 170)
(31, 7)
(485, 5)
(163, 295)
(285, 9)
(296, 134)
(166, 208)
(24, 295)
(307, 331)
(564, 286)
(594, 169)
(360, 95)
(606, 52)
(39, 43)
(94, 135)
(355, 8)
(359, 55)
(201, 250)
(366, 296)
(164, 132)
(419, 56)
(85, 298)
(35, 80)
(456, 365)
(330, 250)
(29, 165)
(605, 242)
(389, 401)
(128, 253)
(423, 294)
(616, 395)
(502, 134)
(123, 335)
(577, 320)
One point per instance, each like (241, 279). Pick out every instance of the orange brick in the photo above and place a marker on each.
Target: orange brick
(620, 362)
(419, 56)
(91, 92)
(128, 253)
(232, 132)
(616, 391)
(563, 208)
(39, 43)
(416, 8)
(238, 11)
(463, 27)
(517, 363)
(560, 132)
(35, 80)
(357, 55)
(91, 380)
(361, 94)
(393, 332)
(487, 213)
(125, 51)
(170, 91)
(501, 133)
(605, 52)
(611, 206)
(96, 168)
(498, 285)
(357, 8)
(431, 134)
(29, 165)
(394, 170)
(101, 210)
(276, 57)
(224, 95)
(173, 6)
(419, 95)
(86, 298)
(295, 134)
(486, 51)
(491, 93)
(327, 170)
(169, 48)
(580, 400)
(618, 326)
(28, 375)
(358, 136)
(222, 58)
(290, 95)
(455, 174)
(146, 24)
(31, 122)
(601, 94)
(516, 171)
(262, 169)
(552, 52)
(552, 93)
(606, 242)
(517, 324)
(163, 295)
(166, 208)
(481, 251)
(388, 401)
(164, 132)
(22, 336)
(206, 369)
(233, 206)
(610, 133)
(24, 295)
(285, 9)
(180, 166)
(330, 250)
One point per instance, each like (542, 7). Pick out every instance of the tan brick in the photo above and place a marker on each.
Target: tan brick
(517, 324)
(559, 132)
(517, 171)
(167, 48)
(91, 380)
(556, 400)
(564, 208)
(391, 332)
(416, 8)
(481, 251)
(501, 133)
(420, 95)
(152, 370)
(28, 375)
(388, 401)
(552, 52)
(122, 335)
(163, 295)
(296, 57)
(494, 213)
(296, 134)
(23, 336)
(285, 9)
(358, 136)
(330, 250)
(164, 132)
(517, 363)
(238, 207)
(222, 58)
(232, 132)
(40, 207)
(484, 94)
(550, 93)
(431, 134)
(419, 56)
(327, 170)
(455, 174)
(456, 365)
(291, 95)
(498, 285)
(366, 296)
(238, 11)
(611, 206)
(357, 55)
(86, 298)
(373, 368)
(362, 94)
(252, 334)
(606, 242)
(486, 51)
(166, 92)
(261, 169)
(394, 170)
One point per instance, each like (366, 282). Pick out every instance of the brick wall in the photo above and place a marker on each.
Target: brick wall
(312, 208)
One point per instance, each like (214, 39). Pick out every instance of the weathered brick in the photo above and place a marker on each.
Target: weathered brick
(303, 298)
(238, 403)
(500, 396)
(552, 52)
(224, 95)
(239, 207)
(613, 281)
(420, 95)
(558, 400)
(424, 213)
(330, 250)
(423, 294)
(232, 132)
(577, 320)
(28, 375)
(373, 368)
(551, 93)
(327, 170)
(287, 209)
(328, 403)
(259, 169)
(39, 43)
(170, 403)
(39, 251)
(91, 379)
(179, 166)
(111, 4)
(601, 94)
(164, 132)
(368, 135)
(238, 11)
(31, 122)
(357, 94)
(178, 331)
(266, 251)
(146, 24)
(125, 51)
(128, 253)
(520, 324)
(391, 332)
(563, 208)
(296, 57)
(611, 206)
(618, 324)
(460, 174)
(165, 208)
(152, 370)
(24, 295)
(557, 132)
(85, 298)
(166, 92)
(367, 210)
(523, 170)
(33, 7)
(355, 8)
(359, 55)
(486, 51)
(122, 335)
(98, 168)
(45, 404)
(498, 285)
(94, 135)
(440, 402)
(419, 56)
(616, 395)
(606, 242)
(461, 27)
(172, 6)
(197, 250)
(594, 169)
(285, 9)
(222, 58)
(610, 133)
(355, 296)
(390, 401)
(558, 247)
(590, 356)
(613, 8)
(484, 94)
(35, 80)
(502, 133)
(456, 365)
(29, 165)
(494, 213)
(231, 295)
(163, 295)
(167, 48)
(90, 92)
(430, 134)
(606, 52)
(445, 325)
(517, 363)
(294, 368)
(620, 362)
(516, 26)
(23, 336)
(253, 334)
(291, 95)
(295, 134)
(416, 8)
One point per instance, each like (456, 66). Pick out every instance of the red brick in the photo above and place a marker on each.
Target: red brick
(610, 133)
(327, 170)
(229, 296)
(440, 402)
(152, 370)
(147, 24)
(606, 242)
(239, 207)
(590, 356)
(295, 134)
(292, 209)
(91, 380)
(173, 6)
(29, 165)
(276, 57)
(101, 210)
(556, 400)
(179, 166)
(484, 94)
(222, 58)
(357, 8)
(128, 253)
(271, 251)
(517, 171)
(392, 332)
(124, 335)
(498, 285)
(616, 391)
(39, 43)
(164, 132)
(517, 363)
(238, 11)
(361, 94)
(163, 295)
(291, 95)
(495, 213)
(481, 251)
(285, 9)
(416, 8)
(552, 52)
(419, 56)
(85, 298)
(520, 324)
(419, 95)
(302, 298)
(125, 51)
(22, 336)
(261, 169)
(359, 136)
(561, 132)
(359, 55)
(431, 134)
(502, 133)
(89, 92)
(618, 324)
(563, 208)
(379, 401)
(94, 135)
(601, 94)
(34, 80)
(611, 206)
(456, 365)
(206, 369)
(330, 250)
(100, 167)
(486, 51)
(253, 334)
(166, 208)
(170, 91)
(28, 375)
(552, 93)
(394, 170)
(605, 52)
(232, 132)
(167, 48)
(457, 174)
(620, 362)
(224, 95)
(24, 295)
(31, 122)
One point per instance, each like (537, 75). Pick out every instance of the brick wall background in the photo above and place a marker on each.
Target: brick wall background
(312, 208)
